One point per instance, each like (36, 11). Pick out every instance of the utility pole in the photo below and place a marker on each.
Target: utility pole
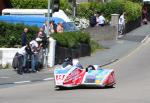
(74, 8)
(53, 6)
(47, 33)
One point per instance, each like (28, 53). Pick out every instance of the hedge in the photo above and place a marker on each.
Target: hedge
(72, 39)
(10, 34)
(132, 9)
(87, 9)
(30, 4)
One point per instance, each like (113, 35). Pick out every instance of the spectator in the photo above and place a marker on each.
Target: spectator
(144, 14)
(22, 58)
(60, 28)
(24, 37)
(93, 21)
(121, 23)
(35, 47)
(41, 33)
(53, 27)
(101, 20)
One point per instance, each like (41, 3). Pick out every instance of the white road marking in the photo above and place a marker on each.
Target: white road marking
(145, 39)
(4, 77)
(48, 79)
(22, 82)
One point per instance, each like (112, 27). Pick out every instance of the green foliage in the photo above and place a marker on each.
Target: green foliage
(40, 4)
(94, 46)
(114, 7)
(71, 39)
(30, 4)
(10, 34)
(65, 5)
(133, 10)
(87, 9)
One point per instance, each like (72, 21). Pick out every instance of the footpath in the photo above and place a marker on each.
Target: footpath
(117, 49)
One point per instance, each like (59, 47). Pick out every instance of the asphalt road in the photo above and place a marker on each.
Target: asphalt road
(117, 49)
(133, 85)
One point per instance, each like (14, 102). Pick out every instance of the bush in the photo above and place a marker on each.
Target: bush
(94, 46)
(10, 34)
(86, 9)
(113, 7)
(132, 9)
(71, 39)
(30, 4)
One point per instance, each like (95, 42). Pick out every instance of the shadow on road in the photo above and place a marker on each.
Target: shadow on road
(82, 87)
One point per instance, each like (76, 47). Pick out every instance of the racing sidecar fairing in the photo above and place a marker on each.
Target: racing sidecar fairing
(93, 75)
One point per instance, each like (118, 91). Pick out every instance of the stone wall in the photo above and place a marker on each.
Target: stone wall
(99, 33)
(6, 55)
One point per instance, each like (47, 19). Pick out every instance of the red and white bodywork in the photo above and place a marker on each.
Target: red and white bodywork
(71, 76)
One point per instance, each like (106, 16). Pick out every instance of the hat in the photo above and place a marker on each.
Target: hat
(38, 39)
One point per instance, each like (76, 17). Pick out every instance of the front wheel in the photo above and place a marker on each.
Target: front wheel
(59, 87)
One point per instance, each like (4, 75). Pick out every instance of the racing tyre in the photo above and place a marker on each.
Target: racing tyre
(59, 88)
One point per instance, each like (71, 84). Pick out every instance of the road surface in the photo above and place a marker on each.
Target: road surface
(133, 85)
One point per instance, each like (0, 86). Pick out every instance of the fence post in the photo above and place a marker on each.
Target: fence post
(51, 54)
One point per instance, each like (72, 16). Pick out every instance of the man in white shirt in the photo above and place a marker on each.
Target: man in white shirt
(101, 20)
(121, 23)
(34, 47)
(22, 58)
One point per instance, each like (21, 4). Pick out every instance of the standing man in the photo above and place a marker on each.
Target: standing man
(24, 37)
(122, 23)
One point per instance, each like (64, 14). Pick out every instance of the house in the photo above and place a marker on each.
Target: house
(4, 4)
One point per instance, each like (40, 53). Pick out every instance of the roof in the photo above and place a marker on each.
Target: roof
(25, 11)
(61, 14)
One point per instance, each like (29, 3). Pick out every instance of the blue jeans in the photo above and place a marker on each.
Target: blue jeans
(34, 62)
(24, 60)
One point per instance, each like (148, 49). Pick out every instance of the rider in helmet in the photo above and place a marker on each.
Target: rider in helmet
(76, 63)
(67, 61)
(73, 62)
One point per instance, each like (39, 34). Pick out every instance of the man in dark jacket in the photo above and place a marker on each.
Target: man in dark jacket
(24, 37)
(93, 20)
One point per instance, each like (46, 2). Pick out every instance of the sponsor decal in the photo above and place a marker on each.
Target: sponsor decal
(60, 77)
(90, 79)
(72, 77)
(97, 81)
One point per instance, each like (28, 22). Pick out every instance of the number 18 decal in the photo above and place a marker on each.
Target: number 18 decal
(60, 77)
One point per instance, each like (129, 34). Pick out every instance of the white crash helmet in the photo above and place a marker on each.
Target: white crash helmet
(75, 62)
